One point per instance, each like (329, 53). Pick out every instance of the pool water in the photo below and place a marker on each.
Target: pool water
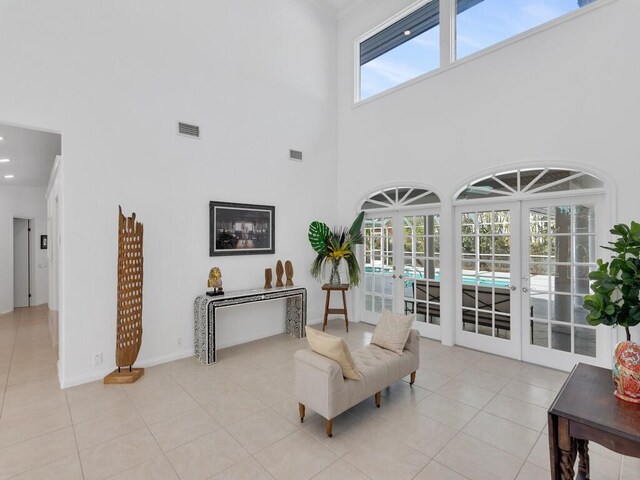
(410, 274)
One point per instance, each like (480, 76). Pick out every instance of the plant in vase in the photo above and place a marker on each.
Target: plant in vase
(334, 246)
(616, 302)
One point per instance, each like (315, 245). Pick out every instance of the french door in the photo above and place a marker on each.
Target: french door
(522, 277)
(402, 267)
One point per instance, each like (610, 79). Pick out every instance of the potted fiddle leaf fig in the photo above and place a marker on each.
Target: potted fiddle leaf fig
(616, 302)
(334, 246)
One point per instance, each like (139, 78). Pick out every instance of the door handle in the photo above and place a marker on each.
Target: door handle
(512, 287)
(525, 289)
(394, 276)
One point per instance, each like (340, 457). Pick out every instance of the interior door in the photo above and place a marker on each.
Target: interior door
(487, 293)
(560, 249)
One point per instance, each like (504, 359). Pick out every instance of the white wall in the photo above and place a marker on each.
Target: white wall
(567, 95)
(29, 203)
(115, 77)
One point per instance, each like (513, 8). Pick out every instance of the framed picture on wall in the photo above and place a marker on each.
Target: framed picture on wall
(241, 229)
(43, 242)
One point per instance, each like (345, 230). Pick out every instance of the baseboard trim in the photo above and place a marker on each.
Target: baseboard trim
(100, 374)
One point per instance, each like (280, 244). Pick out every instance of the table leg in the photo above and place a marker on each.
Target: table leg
(554, 451)
(344, 305)
(326, 310)
(295, 314)
(583, 466)
(567, 449)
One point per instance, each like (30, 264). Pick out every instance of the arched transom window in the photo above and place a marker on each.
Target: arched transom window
(397, 198)
(530, 181)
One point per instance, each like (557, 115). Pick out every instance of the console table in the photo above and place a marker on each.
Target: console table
(205, 309)
(584, 410)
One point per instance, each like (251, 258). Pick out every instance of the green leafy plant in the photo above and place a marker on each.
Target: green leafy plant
(616, 284)
(335, 246)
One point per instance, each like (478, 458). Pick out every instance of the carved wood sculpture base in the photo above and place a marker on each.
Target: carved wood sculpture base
(123, 376)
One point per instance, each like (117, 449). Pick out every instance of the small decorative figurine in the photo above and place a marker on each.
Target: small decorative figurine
(279, 273)
(268, 276)
(288, 268)
(215, 282)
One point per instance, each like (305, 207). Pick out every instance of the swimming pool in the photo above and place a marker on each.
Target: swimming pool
(410, 274)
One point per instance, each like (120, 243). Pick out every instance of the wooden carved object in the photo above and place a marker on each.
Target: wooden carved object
(279, 273)
(268, 277)
(288, 268)
(129, 314)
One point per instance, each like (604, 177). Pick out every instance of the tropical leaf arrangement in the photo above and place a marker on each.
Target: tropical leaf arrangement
(333, 246)
(616, 284)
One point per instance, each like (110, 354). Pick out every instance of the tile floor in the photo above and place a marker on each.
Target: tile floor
(469, 416)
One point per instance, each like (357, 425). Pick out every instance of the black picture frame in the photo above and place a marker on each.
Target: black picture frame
(241, 229)
(43, 242)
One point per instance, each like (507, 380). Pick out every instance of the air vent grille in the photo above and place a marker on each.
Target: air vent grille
(188, 130)
(295, 155)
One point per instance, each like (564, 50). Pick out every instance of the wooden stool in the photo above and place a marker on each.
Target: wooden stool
(343, 287)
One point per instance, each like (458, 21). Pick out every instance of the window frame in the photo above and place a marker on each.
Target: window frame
(448, 14)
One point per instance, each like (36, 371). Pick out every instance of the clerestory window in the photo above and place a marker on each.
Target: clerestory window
(410, 46)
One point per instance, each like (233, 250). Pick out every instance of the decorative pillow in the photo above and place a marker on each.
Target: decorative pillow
(393, 331)
(334, 348)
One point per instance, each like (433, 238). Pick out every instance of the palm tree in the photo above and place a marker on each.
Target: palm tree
(334, 246)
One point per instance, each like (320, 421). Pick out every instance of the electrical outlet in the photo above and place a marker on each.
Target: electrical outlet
(97, 359)
(179, 340)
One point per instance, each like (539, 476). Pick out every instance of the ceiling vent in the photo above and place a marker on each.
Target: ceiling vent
(295, 155)
(188, 130)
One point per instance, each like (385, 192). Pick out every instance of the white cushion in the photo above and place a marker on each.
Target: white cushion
(334, 348)
(392, 331)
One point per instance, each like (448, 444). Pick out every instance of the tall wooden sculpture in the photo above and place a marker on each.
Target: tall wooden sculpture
(130, 274)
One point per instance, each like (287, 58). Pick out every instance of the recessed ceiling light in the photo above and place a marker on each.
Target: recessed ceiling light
(1, 139)
(407, 33)
(5, 160)
(8, 176)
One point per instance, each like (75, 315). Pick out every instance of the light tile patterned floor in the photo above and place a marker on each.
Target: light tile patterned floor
(470, 416)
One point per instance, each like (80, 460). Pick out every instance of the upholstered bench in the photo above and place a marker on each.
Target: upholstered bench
(321, 386)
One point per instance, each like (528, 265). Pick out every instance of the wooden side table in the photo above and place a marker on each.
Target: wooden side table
(343, 287)
(584, 410)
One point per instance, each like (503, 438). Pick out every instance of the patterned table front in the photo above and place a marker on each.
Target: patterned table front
(205, 315)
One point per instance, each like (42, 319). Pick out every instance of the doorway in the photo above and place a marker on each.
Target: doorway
(22, 258)
(523, 265)
(402, 257)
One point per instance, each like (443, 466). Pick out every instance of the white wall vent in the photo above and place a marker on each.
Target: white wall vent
(295, 155)
(188, 130)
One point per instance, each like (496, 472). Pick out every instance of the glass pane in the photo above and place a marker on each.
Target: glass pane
(469, 245)
(579, 313)
(469, 296)
(561, 280)
(368, 303)
(468, 320)
(377, 308)
(539, 278)
(539, 305)
(486, 248)
(539, 334)
(485, 23)
(584, 219)
(502, 221)
(584, 248)
(560, 248)
(585, 341)
(562, 218)
(388, 303)
(561, 308)
(539, 221)
(421, 290)
(368, 283)
(502, 247)
(503, 326)
(581, 280)
(412, 50)
(409, 289)
(561, 337)
(538, 249)
(433, 225)
(409, 307)
(484, 297)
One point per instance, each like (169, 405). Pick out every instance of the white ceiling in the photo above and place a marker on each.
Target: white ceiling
(341, 7)
(32, 154)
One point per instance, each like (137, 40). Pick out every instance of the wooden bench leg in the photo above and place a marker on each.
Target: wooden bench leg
(301, 409)
(413, 378)
(377, 397)
(328, 426)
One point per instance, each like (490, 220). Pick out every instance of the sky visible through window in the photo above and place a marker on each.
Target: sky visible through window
(483, 25)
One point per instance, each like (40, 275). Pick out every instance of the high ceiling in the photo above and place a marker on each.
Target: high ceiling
(342, 6)
(31, 155)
